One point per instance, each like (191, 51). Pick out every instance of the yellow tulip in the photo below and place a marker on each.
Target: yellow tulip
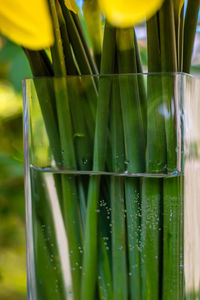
(125, 13)
(27, 23)
(71, 5)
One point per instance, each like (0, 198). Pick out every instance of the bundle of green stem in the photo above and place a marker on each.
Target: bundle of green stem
(129, 227)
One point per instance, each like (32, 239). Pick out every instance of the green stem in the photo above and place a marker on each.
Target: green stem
(130, 102)
(168, 37)
(155, 163)
(105, 277)
(119, 259)
(41, 67)
(93, 65)
(153, 44)
(171, 237)
(151, 192)
(57, 49)
(181, 39)
(190, 25)
(70, 198)
(133, 208)
(68, 56)
(48, 270)
(120, 288)
(179, 21)
(134, 149)
(90, 243)
(81, 136)
(76, 42)
(81, 52)
(171, 193)
(92, 17)
(150, 238)
(39, 62)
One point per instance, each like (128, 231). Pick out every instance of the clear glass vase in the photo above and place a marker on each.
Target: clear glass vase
(112, 182)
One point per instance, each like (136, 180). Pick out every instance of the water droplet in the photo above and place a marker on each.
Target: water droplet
(79, 134)
(84, 161)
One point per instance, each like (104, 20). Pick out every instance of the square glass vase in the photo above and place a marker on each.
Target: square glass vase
(112, 184)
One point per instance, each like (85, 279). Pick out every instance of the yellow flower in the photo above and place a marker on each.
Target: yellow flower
(125, 13)
(27, 23)
(71, 5)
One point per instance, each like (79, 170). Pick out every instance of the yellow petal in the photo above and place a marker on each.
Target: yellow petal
(27, 23)
(125, 13)
(71, 5)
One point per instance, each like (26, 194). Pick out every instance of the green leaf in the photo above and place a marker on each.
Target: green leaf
(16, 64)
(178, 4)
(92, 15)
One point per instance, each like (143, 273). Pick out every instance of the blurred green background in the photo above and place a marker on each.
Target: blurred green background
(13, 68)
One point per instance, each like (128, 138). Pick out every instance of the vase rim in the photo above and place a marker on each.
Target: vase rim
(172, 74)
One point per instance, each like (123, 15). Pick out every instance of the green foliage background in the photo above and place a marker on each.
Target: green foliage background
(13, 67)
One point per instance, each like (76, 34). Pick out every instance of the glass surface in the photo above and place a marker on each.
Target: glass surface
(112, 187)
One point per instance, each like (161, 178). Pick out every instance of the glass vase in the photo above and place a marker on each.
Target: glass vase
(112, 183)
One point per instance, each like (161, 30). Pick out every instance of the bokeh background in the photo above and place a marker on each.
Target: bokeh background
(13, 68)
